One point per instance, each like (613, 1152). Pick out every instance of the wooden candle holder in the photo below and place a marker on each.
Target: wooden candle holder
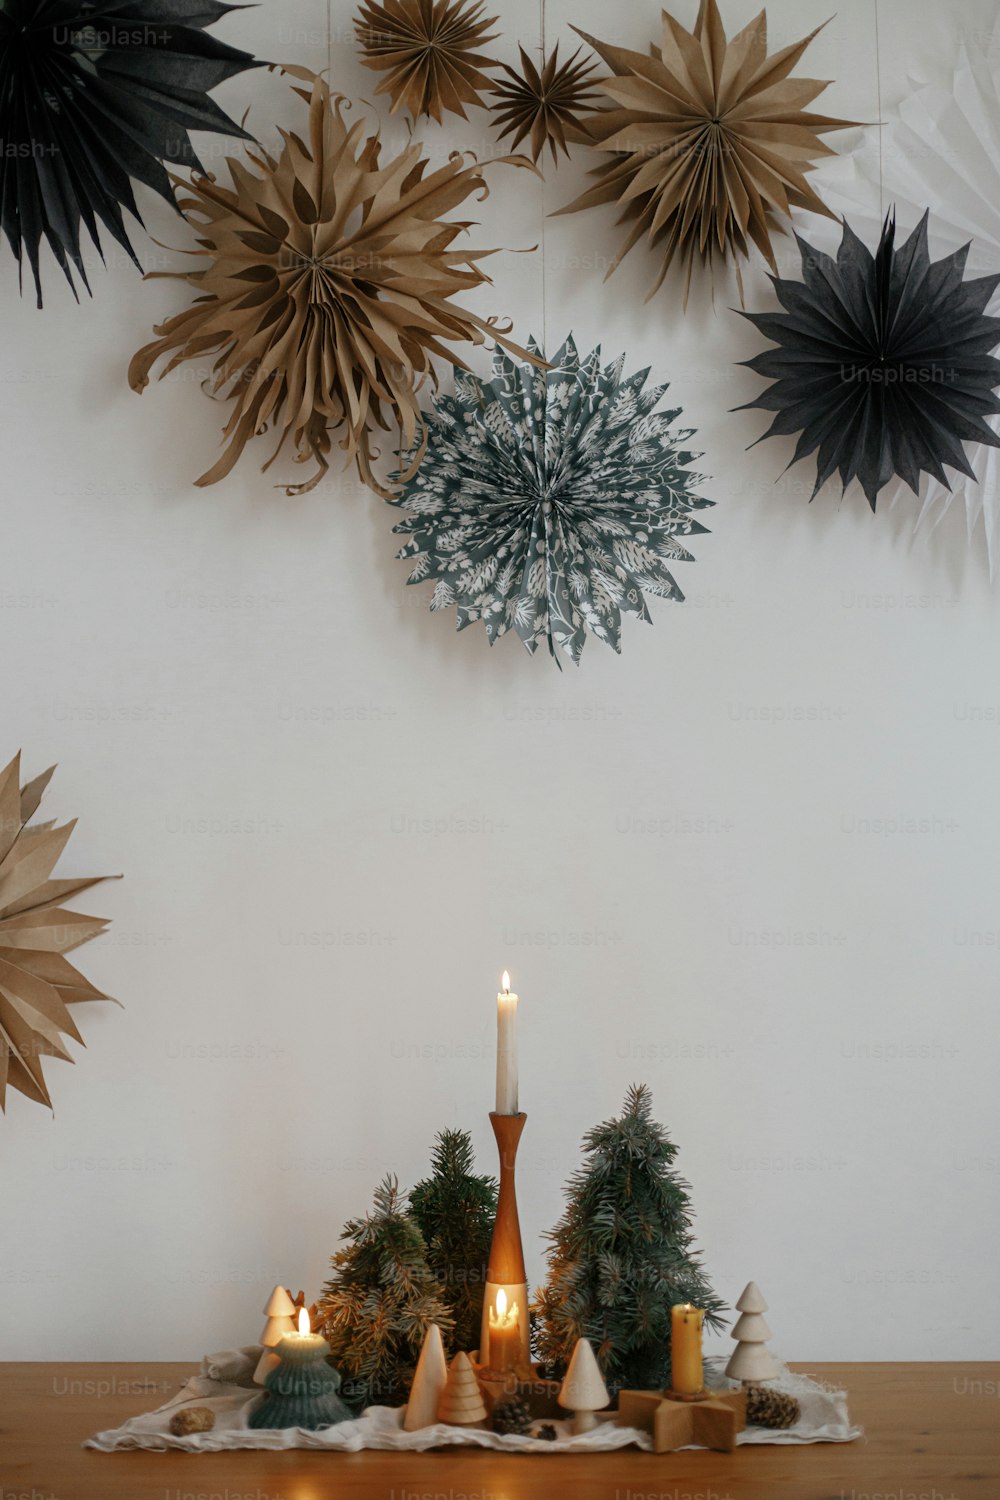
(710, 1421)
(506, 1265)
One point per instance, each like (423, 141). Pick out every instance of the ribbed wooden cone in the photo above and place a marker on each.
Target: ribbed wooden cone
(461, 1403)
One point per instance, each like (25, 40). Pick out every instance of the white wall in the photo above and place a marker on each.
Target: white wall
(682, 887)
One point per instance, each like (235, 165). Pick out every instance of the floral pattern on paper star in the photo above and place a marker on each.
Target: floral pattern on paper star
(552, 501)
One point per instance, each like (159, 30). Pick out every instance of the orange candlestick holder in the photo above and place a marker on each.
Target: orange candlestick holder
(506, 1271)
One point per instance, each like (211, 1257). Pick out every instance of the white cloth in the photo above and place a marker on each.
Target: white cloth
(823, 1419)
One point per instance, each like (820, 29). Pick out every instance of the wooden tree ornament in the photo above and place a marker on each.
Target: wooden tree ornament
(583, 1390)
(429, 1383)
(280, 1315)
(461, 1403)
(750, 1361)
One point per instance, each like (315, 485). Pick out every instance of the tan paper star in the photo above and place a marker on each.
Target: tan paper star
(326, 290)
(37, 983)
(551, 107)
(428, 50)
(710, 140)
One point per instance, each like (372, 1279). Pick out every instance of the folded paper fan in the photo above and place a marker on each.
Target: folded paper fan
(942, 145)
(93, 95)
(38, 984)
(882, 362)
(326, 288)
(551, 501)
(427, 49)
(709, 140)
(548, 107)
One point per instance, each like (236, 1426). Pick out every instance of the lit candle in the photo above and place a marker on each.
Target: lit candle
(505, 1334)
(506, 1049)
(303, 1345)
(686, 1374)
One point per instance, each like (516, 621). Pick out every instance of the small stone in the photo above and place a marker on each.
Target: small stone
(192, 1419)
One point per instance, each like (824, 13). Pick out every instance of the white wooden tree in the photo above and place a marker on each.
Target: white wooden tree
(280, 1314)
(750, 1361)
(429, 1383)
(583, 1390)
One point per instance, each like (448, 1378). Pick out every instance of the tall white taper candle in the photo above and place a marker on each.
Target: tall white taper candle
(506, 1049)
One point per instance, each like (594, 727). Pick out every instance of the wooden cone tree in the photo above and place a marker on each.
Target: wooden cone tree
(462, 1402)
(280, 1314)
(429, 1383)
(750, 1361)
(583, 1390)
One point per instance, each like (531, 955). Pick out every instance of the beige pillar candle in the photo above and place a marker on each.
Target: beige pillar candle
(686, 1375)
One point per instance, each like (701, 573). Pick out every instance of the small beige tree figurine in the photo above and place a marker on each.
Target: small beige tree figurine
(583, 1390)
(280, 1314)
(462, 1402)
(750, 1361)
(429, 1381)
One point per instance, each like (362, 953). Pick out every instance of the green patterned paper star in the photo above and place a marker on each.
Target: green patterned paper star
(550, 501)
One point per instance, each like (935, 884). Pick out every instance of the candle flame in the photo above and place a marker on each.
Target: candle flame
(505, 982)
(304, 1320)
(501, 1303)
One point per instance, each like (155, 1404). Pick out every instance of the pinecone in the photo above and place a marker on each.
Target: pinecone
(768, 1408)
(511, 1415)
(546, 1432)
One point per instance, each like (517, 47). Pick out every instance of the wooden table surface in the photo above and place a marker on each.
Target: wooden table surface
(932, 1433)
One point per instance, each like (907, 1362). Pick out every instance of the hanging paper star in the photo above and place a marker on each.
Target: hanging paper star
(427, 49)
(942, 145)
(883, 363)
(327, 288)
(550, 501)
(91, 96)
(709, 140)
(37, 982)
(550, 107)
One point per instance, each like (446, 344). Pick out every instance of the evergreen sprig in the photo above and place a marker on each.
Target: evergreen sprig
(621, 1254)
(455, 1210)
(380, 1301)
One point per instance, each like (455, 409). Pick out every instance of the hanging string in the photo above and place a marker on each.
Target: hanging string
(545, 210)
(878, 89)
(329, 41)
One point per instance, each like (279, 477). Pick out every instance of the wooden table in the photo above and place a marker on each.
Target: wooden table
(933, 1433)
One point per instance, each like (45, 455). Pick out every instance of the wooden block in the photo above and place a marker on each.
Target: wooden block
(711, 1423)
(717, 1422)
(638, 1408)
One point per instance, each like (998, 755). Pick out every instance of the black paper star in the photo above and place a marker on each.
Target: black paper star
(883, 362)
(92, 95)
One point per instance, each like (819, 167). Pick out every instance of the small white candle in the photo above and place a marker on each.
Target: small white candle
(506, 1049)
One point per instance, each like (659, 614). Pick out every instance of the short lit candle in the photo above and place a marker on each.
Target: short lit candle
(686, 1374)
(506, 1049)
(505, 1334)
(303, 1345)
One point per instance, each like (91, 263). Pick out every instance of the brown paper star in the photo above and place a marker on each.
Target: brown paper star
(37, 983)
(427, 48)
(327, 288)
(551, 106)
(709, 140)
